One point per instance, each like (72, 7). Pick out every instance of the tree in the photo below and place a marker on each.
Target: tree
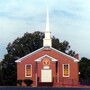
(23, 46)
(0, 74)
(84, 66)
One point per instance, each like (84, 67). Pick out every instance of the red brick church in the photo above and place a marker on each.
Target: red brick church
(48, 66)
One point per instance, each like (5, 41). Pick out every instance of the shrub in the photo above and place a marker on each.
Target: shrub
(28, 82)
(19, 82)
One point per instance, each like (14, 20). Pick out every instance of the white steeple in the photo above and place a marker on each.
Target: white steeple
(47, 40)
(47, 21)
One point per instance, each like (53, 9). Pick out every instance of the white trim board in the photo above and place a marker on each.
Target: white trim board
(52, 59)
(47, 48)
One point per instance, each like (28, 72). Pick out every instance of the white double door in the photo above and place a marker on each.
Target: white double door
(46, 75)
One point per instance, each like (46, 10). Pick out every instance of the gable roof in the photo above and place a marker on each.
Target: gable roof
(19, 60)
(40, 59)
(47, 48)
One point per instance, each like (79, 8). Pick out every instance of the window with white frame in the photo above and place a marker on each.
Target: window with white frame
(66, 70)
(28, 70)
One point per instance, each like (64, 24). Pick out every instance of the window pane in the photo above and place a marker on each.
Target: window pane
(66, 70)
(65, 66)
(28, 70)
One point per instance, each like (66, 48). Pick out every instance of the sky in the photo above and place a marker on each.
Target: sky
(69, 20)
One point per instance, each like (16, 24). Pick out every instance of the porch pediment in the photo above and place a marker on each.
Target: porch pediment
(41, 58)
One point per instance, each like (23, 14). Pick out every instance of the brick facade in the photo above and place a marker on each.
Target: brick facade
(49, 59)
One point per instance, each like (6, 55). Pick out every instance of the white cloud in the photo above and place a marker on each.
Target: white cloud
(70, 18)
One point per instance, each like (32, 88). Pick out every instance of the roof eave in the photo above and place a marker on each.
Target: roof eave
(76, 60)
(73, 58)
(19, 60)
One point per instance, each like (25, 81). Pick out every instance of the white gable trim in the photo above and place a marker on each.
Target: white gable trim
(75, 60)
(52, 59)
(19, 60)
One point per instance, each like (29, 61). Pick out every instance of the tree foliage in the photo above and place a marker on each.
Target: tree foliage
(23, 46)
(84, 66)
(0, 74)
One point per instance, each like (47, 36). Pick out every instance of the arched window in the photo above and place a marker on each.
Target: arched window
(28, 70)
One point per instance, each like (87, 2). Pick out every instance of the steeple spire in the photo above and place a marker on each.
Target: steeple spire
(47, 40)
(47, 22)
